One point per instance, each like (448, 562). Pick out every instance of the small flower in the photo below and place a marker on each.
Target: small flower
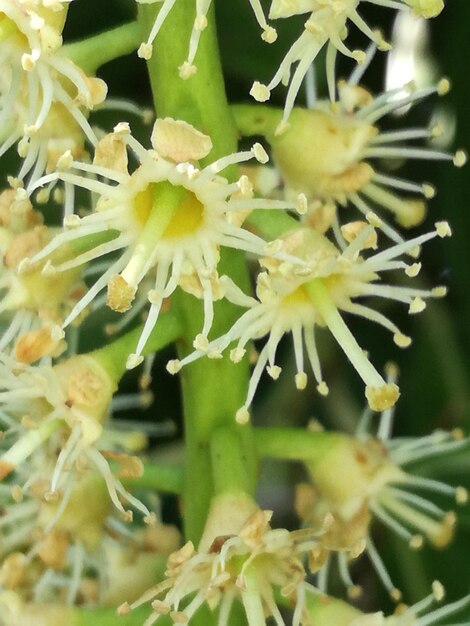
(168, 218)
(363, 478)
(81, 557)
(341, 143)
(326, 25)
(293, 299)
(247, 563)
(44, 96)
(60, 408)
(33, 305)
(188, 68)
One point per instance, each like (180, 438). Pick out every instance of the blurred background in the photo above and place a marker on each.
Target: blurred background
(435, 371)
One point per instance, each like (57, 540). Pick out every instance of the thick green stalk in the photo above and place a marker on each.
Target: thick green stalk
(159, 477)
(95, 51)
(113, 356)
(293, 444)
(255, 119)
(212, 389)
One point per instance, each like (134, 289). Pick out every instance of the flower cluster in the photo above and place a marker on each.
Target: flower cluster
(377, 484)
(247, 562)
(44, 96)
(166, 231)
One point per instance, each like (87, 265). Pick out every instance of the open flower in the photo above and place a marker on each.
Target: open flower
(248, 562)
(77, 556)
(326, 25)
(54, 417)
(33, 305)
(296, 300)
(168, 218)
(188, 68)
(44, 96)
(366, 477)
(342, 143)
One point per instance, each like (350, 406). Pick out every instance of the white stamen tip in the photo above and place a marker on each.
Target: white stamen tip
(443, 87)
(154, 296)
(57, 333)
(373, 219)
(354, 592)
(186, 70)
(72, 221)
(439, 292)
(122, 128)
(246, 187)
(201, 343)
(438, 591)
(417, 306)
(273, 247)
(24, 265)
(395, 594)
(269, 35)
(173, 366)
(237, 354)
(359, 56)
(402, 341)
(413, 270)
(429, 191)
(443, 229)
(461, 495)
(301, 380)
(48, 269)
(260, 153)
(416, 542)
(460, 158)
(383, 397)
(133, 360)
(145, 51)
(260, 92)
(65, 161)
(322, 388)
(242, 416)
(274, 371)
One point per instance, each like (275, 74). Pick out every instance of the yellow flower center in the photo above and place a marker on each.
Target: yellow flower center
(7, 27)
(187, 217)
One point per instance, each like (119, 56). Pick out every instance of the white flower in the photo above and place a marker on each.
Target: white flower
(367, 477)
(341, 144)
(169, 218)
(33, 305)
(43, 95)
(248, 565)
(61, 408)
(293, 299)
(326, 25)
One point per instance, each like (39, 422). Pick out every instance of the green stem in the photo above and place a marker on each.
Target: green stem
(95, 51)
(293, 444)
(113, 356)
(272, 224)
(230, 465)
(255, 119)
(159, 477)
(213, 390)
